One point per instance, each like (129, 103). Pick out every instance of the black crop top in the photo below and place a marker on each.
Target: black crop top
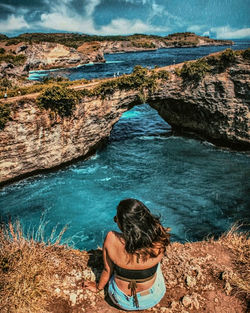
(135, 274)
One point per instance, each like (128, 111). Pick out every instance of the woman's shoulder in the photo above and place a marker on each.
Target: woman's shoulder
(114, 240)
(114, 246)
(113, 236)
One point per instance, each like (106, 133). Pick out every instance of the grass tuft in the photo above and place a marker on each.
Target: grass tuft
(28, 268)
(239, 244)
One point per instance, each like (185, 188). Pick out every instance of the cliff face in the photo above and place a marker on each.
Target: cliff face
(216, 107)
(46, 55)
(35, 140)
(142, 44)
(53, 55)
(47, 51)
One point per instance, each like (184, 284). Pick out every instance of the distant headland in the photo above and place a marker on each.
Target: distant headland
(37, 51)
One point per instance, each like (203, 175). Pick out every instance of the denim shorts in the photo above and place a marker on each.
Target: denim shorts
(147, 298)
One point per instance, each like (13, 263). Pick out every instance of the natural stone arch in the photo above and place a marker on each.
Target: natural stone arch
(34, 140)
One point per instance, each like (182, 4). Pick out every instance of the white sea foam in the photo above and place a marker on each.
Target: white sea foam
(154, 137)
(113, 62)
(105, 179)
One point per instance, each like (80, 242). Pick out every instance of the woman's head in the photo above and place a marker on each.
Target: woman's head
(142, 231)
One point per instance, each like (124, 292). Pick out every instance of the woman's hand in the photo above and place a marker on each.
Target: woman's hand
(91, 285)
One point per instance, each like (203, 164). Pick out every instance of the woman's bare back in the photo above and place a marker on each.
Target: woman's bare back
(115, 247)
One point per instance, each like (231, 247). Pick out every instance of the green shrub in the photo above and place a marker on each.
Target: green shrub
(3, 37)
(143, 44)
(195, 70)
(5, 83)
(227, 58)
(36, 87)
(246, 54)
(126, 82)
(106, 88)
(14, 59)
(221, 61)
(140, 79)
(59, 99)
(4, 114)
(13, 41)
(84, 93)
(2, 50)
(177, 71)
(57, 78)
(163, 75)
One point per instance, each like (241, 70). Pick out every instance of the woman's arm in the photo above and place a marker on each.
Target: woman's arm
(107, 270)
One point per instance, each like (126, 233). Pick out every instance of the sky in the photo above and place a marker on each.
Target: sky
(221, 19)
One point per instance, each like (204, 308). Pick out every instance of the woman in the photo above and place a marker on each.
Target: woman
(132, 258)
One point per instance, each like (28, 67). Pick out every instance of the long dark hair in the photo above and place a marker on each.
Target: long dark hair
(143, 233)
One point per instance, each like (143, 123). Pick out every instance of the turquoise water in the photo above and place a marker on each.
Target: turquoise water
(197, 189)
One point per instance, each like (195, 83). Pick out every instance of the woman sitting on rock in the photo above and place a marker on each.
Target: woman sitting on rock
(132, 258)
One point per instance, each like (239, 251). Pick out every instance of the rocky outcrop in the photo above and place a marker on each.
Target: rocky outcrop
(35, 140)
(12, 72)
(138, 44)
(45, 55)
(216, 108)
(52, 55)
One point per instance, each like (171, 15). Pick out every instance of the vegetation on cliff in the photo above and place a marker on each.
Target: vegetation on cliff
(140, 79)
(195, 70)
(137, 40)
(38, 275)
(16, 90)
(5, 113)
(246, 54)
(58, 99)
(12, 58)
(215, 63)
(62, 100)
(3, 37)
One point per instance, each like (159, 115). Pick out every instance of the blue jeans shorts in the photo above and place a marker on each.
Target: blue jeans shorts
(147, 298)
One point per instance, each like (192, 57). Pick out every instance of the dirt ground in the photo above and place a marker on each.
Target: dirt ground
(200, 277)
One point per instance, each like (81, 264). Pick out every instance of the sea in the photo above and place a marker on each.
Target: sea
(198, 190)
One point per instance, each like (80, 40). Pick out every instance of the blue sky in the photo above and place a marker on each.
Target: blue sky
(216, 18)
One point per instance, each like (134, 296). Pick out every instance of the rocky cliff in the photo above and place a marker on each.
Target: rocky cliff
(45, 55)
(215, 107)
(47, 51)
(36, 140)
(54, 55)
(140, 43)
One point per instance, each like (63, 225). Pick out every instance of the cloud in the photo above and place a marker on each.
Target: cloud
(13, 23)
(124, 17)
(207, 33)
(125, 26)
(222, 32)
(90, 7)
(195, 28)
(61, 18)
(227, 32)
(58, 21)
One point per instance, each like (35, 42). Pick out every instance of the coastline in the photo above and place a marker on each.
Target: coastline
(191, 106)
(51, 69)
